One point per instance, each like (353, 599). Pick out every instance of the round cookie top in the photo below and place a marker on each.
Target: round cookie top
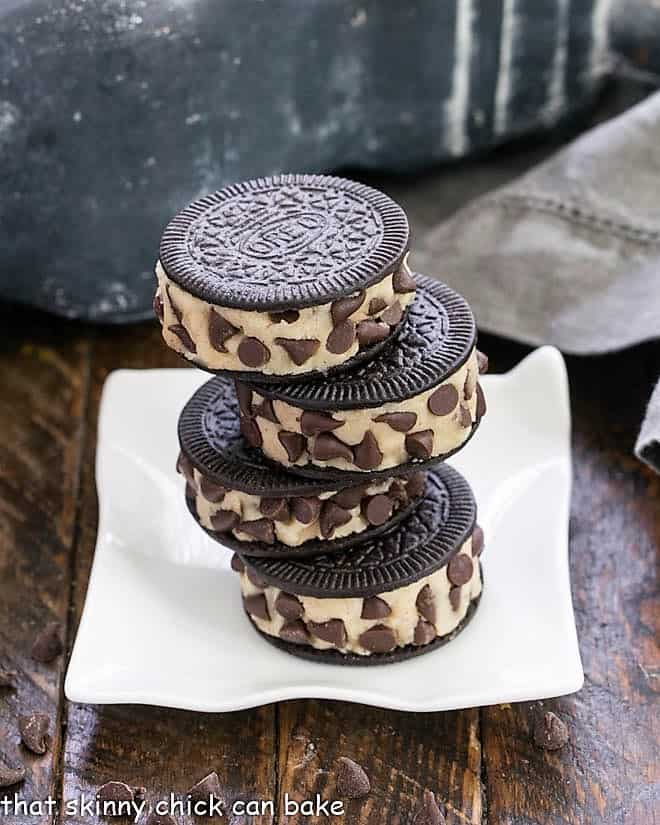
(288, 241)
(435, 339)
(422, 543)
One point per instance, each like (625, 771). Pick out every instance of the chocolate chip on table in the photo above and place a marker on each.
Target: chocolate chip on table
(237, 564)
(251, 432)
(220, 331)
(376, 305)
(341, 338)
(159, 307)
(372, 332)
(481, 403)
(459, 569)
(455, 597)
(33, 728)
(352, 782)
(288, 316)
(294, 444)
(378, 509)
(115, 791)
(313, 423)
(482, 362)
(155, 818)
(207, 789)
(429, 813)
(367, 454)
(420, 444)
(7, 679)
(10, 775)
(260, 529)
(350, 497)
(375, 608)
(393, 314)
(299, 350)
(378, 639)
(288, 606)
(184, 336)
(224, 520)
(275, 508)
(327, 446)
(464, 416)
(415, 485)
(424, 633)
(266, 410)
(257, 606)
(306, 510)
(425, 603)
(244, 395)
(294, 632)
(550, 732)
(443, 400)
(212, 492)
(399, 421)
(48, 644)
(343, 307)
(332, 516)
(332, 631)
(477, 541)
(402, 281)
(253, 353)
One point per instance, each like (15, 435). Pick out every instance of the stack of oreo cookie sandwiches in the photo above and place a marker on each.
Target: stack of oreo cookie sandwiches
(342, 382)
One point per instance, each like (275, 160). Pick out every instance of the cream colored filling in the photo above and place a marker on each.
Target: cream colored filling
(313, 322)
(292, 532)
(402, 620)
(448, 432)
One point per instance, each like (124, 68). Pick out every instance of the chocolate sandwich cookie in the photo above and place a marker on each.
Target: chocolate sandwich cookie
(395, 596)
(417, 401)
(284, 276)
(244, 502)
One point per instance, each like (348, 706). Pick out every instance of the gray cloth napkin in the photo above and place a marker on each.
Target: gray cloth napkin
(568, 254)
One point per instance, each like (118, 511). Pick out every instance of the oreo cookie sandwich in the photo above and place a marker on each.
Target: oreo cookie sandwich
(416, 402)
(284, 276)
(244, 502)
(397, 595)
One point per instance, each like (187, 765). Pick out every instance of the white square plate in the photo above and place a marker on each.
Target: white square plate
(163, 623)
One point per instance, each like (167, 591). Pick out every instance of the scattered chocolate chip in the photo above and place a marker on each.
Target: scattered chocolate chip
(299, 350)
(550, 733)
(275, 508)
(306, 510)
(220, 331)
(470, 385)
(464, 417)
(158, 306)
(375, 608)
(254, 578)
(420, 444)
(211, 492)
(289, 606)
(332, 516)
(260, 529)
(48, 644)
(378, 509)
(371, 332)
(34, 732)
(402, 281)
(399, 421)
(332, 631)
(393, 314)
(184, 336)
(175, 309)
(425, 603)
(341, 338)
(253, 353)
(481, 403)
(350, 497)
(482, 362)
(459, 569)
(257, 606)
(251, 432)
(416, 484)
(185, 468)
(429, 813)
(351, 782)
(378, 639)
(376, 305)
(237, 564)
(266, 410)
(9, 775)
(313, 423)
(293, 443)
(155, 818)
(424, 633)
(367, 454)
(244, 395)
(327, 446)
(443, 400)
(115, 791)
(206, 790)
(477, 541)
(289, 316)
(295, 632)
(7, 679)
(455, 597)
(224, 520)
(342, 308)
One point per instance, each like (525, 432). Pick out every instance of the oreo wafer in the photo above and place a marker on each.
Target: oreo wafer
(244, 502)
(416, 402)
(284, 276)
(396, 595)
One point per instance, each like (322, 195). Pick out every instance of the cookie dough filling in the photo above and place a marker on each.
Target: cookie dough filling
(414, 615)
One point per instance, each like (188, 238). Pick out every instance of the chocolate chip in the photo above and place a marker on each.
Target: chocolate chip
(397, 492)
(378, 509)
(7, 679)
(261, 529)
(252, 575)
(34, 732)
(416, 484)
(481, 403)
(293, 443)
(429, 813)
(477, 541)
(289, 606)
(10, 775)
(184, 336)
(459, 569)
(367, 454)
(350, 497)
(306, 510)
(550, 732)
(482, 362)
(455, 597)
(378, 639)
(155, 818)
(420, 444)
(289, 316)
(341, 338)
(470, 385)
(342, 308)
(206, 790)
(275, 508)
(115, 791)
(253, 353)
(251, 432)
(211, 492)
(244, 395)
(376, 305)
(443, 400)
(393, 314)
(220, 331)
(332, 516)
(299, 350)
(266, 410)
(185, 468)
(371, 332)
(424, 633)
(313, 423)
(375, 608)
(402, 281)
(175, 309)
(294, 632)
(464, 417)
(425, 603)
(158, 306)
(257, 606)
(399, 421)
(327, 446)
(48, 644)
(237, 563)
(224, 520)
(351, 782)
(332, 631)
